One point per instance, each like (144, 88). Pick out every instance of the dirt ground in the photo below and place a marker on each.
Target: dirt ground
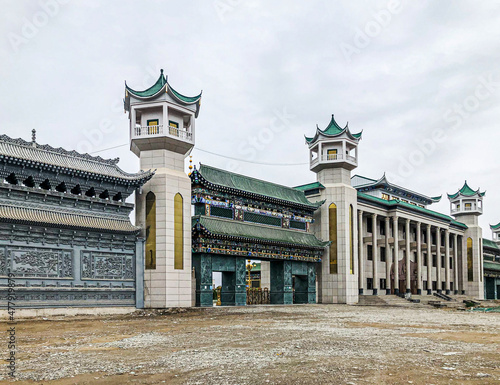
(300, 344)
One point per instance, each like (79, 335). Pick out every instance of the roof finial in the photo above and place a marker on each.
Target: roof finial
(33, 136)
(161, 71)
(190, 164)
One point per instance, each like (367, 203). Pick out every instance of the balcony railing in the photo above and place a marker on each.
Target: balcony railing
(333, 158)
(462, 209)
(143, 131)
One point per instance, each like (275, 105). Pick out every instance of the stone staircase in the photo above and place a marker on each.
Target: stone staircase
(425, 301)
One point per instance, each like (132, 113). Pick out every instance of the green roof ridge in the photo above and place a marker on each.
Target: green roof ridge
(466, 191)
(333, 128)
(153, 90)
(394, 202)
(254, 185)
(186, 99)
(229, 227)
(495, 227)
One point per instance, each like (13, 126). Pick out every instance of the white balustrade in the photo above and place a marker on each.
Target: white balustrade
(144, 131)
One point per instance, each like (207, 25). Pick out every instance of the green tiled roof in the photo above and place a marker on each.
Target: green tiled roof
(262, 233)
(489, 243)
(332, 130)
(309, 186)
(466, 191)
(246, 184)
(495, 227)
(397, 202)
(158, 86)
(491, 266)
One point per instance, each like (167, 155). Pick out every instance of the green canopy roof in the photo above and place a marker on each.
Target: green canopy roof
(491, 266)
(309, 186)
(262, 233)
(246, 185)
(495, 227)
(489, 243)
(397, 202)
(333, 130)
(466, 191)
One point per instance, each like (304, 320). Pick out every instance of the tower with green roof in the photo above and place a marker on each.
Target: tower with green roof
(495, 230)
(162, 134)
(466, 206)
(333, 155)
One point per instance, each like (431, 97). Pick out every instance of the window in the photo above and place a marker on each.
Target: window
(331, 154)
(152, 126)
(297, 225)
(382, 254)
(434, 285)
(383, 284)
(369, 252)
(369, 283)
(264, 219)
(369, 225)
(470, 271)
(451, 263)
(178, 232)
(434, 261)
(332, 227)
(150, 231)
(173, 124)
(424, 258)
(442, 261)
(385, 196)
(221, 212)
(468, 206)
(173, 128)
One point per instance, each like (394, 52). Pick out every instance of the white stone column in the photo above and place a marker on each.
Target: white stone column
(438, 261)
(447, 260)
(408, 257)
(265, 274)
(429, 260)
(455, 263)
(361, 263)
(396, 254)
(387, 257)
(419, 258)
(375, 253)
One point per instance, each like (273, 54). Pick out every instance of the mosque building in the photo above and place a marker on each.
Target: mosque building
(67, 240)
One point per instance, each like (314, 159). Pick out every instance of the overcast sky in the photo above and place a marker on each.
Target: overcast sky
(421, 79)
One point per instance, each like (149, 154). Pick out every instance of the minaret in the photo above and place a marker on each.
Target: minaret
(466, 206)
(333, 155)
(162, 123)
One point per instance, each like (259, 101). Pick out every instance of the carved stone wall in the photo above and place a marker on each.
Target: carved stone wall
(97, 265)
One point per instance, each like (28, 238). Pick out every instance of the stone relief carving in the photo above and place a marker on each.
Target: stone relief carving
(40, 262)
(3, 262)
(97, 265)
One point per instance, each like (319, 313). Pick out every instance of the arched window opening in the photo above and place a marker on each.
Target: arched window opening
(12, 179)
(118, 197)
(77, 190)
(104, 194)
(178, 232)
(332, 226)
(61, 187)
(150, 231)
(29, 182)
(470, 270)
(90, 192)
(45, 184)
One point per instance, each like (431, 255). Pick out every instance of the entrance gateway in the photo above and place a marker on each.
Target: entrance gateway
(239, 218)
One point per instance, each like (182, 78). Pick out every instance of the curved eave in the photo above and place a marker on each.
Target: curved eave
(495, 227)
(137, 93)
(354, 137)
(476, 194)
(436, 199)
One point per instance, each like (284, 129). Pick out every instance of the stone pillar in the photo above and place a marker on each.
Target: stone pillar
(447, 260)
(396, 254)
(408, 255)
(375, 253)
(203, 272)
(311, 282)
(455, 263)
(429, 260)
(438, 261)
(419, 258)
(387, 257)
(139, 273)
(361, 267)
(240, 291)
(281, 282)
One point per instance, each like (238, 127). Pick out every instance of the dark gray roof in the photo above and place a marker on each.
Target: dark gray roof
(36, 154)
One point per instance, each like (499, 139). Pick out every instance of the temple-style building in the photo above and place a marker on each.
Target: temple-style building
(67, 240)
(65, 233)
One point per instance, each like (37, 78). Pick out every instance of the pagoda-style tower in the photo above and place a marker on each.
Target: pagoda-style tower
(162, 125)
(334, 154)
(495, 230)
(466, 206)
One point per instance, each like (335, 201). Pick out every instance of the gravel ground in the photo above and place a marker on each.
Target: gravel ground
(300, 344)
